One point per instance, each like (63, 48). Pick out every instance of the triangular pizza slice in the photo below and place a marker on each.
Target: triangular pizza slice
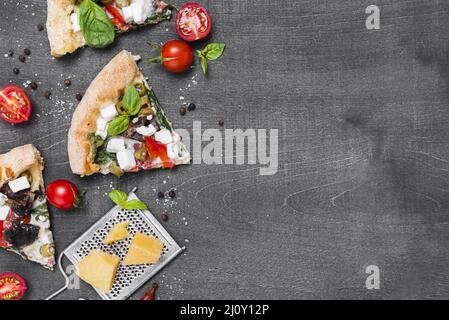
(119, 125)
(24, 216)
(72, 24)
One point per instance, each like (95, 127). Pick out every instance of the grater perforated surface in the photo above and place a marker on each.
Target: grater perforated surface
(128, 278)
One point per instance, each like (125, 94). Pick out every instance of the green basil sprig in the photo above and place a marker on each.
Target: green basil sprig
(131, 101)
(132, 106)
(212, 51)
(96, 27)
(118, 125)
(119, 197)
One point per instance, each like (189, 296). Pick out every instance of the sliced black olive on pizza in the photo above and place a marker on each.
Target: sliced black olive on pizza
(119, 125)
(24, 216)
(72, 24)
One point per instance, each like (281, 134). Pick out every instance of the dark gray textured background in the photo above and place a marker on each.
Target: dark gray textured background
(363, 149)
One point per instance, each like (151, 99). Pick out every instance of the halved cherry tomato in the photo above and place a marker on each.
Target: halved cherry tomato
(193, 22)
(115, 13)
(156, 150)
(176, 56)
(15, 105)
(64, 195)
(12, 286)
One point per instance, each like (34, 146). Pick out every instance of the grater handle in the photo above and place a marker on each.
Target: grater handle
(64, 275)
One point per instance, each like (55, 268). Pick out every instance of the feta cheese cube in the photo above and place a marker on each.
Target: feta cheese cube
(4, 210)
(163, 136)
(101, 124)
(128, 14)
(126, 159)
(132, 144)
(75, 23)
(3, 199)
(176, 137)
(115, 145)
(146, 131)
(109, 112)
(19, 184)
(102, 134)
(138, 8)
(173, 150)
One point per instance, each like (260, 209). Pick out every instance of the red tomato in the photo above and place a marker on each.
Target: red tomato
(12, 286)
(15, 105)
(193, 22)
(63, 194)
(176, 56)
(156, 150)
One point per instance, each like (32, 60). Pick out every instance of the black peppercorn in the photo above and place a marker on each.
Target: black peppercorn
(10, 53)
(79, 96)
(33, 85)
(164, 217)
(172, 194)
(160, 195)
(191, 106)
(27, 51)
(22, 58)
(47, 94)
(40, 27)
(182, 111)
(16, 70)
(155, 285)
(67, 82)
(221, 123)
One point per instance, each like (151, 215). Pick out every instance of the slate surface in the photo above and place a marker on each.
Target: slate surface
(363, 150)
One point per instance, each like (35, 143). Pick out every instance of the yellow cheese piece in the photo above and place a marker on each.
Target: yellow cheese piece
(117, 233)
(98, 269)
(144, 249)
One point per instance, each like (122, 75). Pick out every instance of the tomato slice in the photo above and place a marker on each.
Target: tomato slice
(115, 13)
(15, 105)
(156, 150)
(12, 286)
(193, 22)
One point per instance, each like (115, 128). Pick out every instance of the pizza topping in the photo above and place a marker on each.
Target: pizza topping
(21, 234)
(12, 286)
(115, 145)
(75, 24)
(96, 27)
(193, 22)
(15, 105)
(19, 184)
(126, 159)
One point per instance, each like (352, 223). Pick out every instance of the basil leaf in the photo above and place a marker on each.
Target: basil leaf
(118, 197)
(204, 65)
(118, 125)
(131, 101)
(96, 27)
(135, 205)
(214, 51)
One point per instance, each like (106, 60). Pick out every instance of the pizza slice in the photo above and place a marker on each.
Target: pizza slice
(119, 125)
(24, 216)
(72, 24)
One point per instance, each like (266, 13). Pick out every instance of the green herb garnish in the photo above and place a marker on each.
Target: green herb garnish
(96, 27)
(131, 101)
(212, 51)
(118, 125)
(120, 198)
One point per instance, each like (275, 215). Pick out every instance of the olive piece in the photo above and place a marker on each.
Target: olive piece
(120, 108)
(106, 1)
(115, 169)
(146, 112)
(28, 175)
(141, 154)
(141, 89)
(144, 101)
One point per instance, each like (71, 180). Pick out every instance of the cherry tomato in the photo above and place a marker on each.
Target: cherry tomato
(193, 22)
(15, 105)
(156, 150)
(12, 286)
(176, 56)
(63, 194)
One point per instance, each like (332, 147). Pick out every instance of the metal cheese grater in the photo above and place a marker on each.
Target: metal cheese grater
(128, 278)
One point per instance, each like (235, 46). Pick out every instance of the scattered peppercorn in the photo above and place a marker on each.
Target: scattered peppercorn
(10, 53)
(191, 106)
(164, 217)
(160, 195)
(22, 58)
(40, 27)
(16, 70)
(47, 94)
(155, 285)
(79, 96)
(182, 111)
(172, 194)
(33, 85)
(27, 51)
(221, 123)
(67, 82)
